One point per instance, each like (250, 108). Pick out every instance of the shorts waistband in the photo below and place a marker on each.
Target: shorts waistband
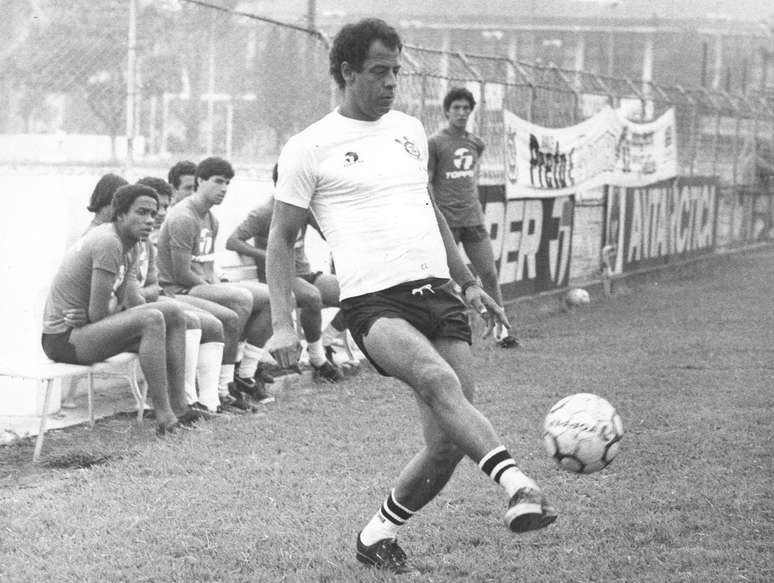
(409, 286)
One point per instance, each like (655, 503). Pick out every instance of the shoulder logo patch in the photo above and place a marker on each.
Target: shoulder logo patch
(409, 146)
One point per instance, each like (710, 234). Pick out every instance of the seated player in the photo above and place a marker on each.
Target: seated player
(102, 197)
(181, 178)
(97, 280)
(204, 333)
(313, 291)
(186, 266)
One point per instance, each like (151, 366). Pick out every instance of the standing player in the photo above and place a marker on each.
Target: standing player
(312, 290)
(453, 168)
(98, 278)
(362, 170)
(186, 265)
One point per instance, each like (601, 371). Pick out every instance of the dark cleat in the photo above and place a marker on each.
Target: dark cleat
(327, 372)
(528, 510)
(384, 554)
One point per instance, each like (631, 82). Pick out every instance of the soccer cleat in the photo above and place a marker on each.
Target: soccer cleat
(326, 372)
(262, 376)
(528, 510)
(509, 342)
(384, 554)
(230, 404)
(192, 416)
(252, 389)
(240, 399)
(197, 406)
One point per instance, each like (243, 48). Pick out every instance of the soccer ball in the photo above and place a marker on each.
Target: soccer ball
(582, 433)
(577, 296)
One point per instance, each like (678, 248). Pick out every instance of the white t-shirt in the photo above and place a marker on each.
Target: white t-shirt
(366, 184)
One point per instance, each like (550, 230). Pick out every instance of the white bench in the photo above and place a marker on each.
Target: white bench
(48, 371)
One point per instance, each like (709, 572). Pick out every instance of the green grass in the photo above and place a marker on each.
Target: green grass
(687, 359)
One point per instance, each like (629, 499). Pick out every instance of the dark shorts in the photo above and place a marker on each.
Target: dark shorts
(59, 348)
(429, 305)
(470, 234)
(310, 277)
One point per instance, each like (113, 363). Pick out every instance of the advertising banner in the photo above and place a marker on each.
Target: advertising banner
(604, 149)
(661, 222)
(531, 240)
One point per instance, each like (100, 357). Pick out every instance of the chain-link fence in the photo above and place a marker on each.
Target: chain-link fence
(210, 79)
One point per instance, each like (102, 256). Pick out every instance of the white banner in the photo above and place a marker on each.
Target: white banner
(604, 149)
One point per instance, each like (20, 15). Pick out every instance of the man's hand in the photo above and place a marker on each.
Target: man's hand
(75, 317)
(487, 308)
(284, 346)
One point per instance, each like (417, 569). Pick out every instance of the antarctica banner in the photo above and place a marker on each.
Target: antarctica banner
(606, 149)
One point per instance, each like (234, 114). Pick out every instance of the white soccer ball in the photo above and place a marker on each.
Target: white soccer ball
(577, 296)
(582, 433)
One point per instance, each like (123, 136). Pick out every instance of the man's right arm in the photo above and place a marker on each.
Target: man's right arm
(241, 246)
(182, 238)
(280, 271)
(101, 290)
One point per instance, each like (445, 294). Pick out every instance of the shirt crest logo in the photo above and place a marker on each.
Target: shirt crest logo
(409, 146)
(351, 158)
(463, 159)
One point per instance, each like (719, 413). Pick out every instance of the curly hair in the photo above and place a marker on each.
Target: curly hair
(352, 42)
(456, 93)
(126, 195)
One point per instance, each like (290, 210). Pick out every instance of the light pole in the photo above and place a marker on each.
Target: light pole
(131, 82)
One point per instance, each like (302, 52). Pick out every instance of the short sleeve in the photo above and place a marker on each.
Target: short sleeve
(183, 231)
(106, 254)
(420, 138)
(256, 224)
(297, 180)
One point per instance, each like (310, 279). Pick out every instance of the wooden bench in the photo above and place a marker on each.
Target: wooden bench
(48, 371)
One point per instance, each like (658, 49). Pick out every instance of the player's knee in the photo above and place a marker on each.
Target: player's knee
(311, 300)
(437, 386)
(230, 322)
(175, 316)
(192, 321)
(212, 329)
(152, 322)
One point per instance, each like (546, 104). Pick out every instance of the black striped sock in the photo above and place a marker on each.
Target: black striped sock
(391, 510)
(496, 462)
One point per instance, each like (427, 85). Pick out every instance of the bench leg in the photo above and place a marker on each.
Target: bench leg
(91, 399)
(43, 419)
(139, 396)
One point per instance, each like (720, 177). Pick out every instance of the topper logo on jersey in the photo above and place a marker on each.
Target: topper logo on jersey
(409, 146)
(463, 161)
(351, 158)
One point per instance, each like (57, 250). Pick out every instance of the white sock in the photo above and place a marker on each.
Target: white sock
(385, 523)
(208, 373)
(226, 376)
(500, 466)
(192, 340)
(251, 356)
(316, 352)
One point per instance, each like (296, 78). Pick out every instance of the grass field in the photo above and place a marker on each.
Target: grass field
(687, 358)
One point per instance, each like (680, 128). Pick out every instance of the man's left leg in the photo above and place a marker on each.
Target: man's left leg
(453, 428)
